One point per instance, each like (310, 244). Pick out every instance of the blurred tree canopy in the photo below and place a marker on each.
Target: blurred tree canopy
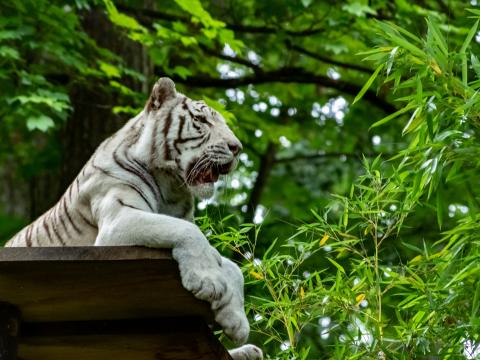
(354, 209)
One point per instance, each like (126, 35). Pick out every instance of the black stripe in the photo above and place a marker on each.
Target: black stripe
(45, 226)
(127, 205)
(123, 182)
(202, 119)
(28, 236)
(193, 138)
(37, 238)
(78, 231)
(86, 220)
(146, 175)
(142, 175)
(179, 134)
(55, 229)
(198, 128)
(62, 221)
(57, 234)
(201, 142)
(166, 127)
(70, 193)
(199, 118)
(153, 148)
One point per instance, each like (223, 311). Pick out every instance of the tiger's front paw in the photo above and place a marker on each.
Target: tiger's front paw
(219, 281)
(201, 274)
(205, 284)
(246, 352)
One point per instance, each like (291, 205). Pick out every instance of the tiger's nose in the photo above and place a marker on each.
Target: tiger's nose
(235, 147)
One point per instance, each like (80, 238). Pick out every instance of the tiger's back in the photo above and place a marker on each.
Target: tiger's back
(68, 222)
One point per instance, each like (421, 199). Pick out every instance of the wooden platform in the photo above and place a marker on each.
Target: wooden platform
(104, 303)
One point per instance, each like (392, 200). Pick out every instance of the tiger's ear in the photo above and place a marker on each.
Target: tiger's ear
(163, 90)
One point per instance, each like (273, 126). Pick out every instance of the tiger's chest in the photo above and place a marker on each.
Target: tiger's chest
(176, 201)
(182, 209)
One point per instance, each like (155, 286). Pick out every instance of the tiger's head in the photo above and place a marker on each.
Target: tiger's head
(193, 136)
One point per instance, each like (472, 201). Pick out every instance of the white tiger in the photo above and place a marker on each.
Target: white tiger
(138, 188)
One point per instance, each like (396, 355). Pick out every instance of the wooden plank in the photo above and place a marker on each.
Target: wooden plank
(82, 253)
(95, 283)
(9, 328)
(142, 339)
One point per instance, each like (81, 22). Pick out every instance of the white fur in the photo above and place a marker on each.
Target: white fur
(246, 352)
(203, 191)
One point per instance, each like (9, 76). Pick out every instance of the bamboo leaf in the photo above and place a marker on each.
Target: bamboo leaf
(337, 265)
(439, 206)
(469, 37)
(368, 83)
(437, 35)
(392, 116)
(414, 121)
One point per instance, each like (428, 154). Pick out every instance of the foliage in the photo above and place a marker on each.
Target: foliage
(354, 209)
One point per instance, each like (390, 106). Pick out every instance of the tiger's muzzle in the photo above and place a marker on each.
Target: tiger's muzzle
(209, 173)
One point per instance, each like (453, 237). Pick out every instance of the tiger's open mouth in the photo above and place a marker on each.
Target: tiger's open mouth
(208, 174)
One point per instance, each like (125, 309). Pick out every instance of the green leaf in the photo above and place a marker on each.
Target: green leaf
(475, 65)
(402, 31)
(464, 69)
(181, 71)
(476, 303)
(442, 44)
(414, 121)
(227, 115)
(306, 3)
(41, 122)
(122, 20)
(359, 9)
(368, 83)
(345, 214)
(393, 116)
(337, 265)
(440, 205)
(469, 37)
(9, 53)
(110, 70)
(394, 36)
(195, 8)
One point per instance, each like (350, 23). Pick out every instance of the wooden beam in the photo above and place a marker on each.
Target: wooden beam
(95, 283)
(134, 339)
(122, 303)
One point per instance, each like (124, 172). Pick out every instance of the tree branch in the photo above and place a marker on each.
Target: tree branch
(327, 155)
(326, 59)
(252, 29)
(284, 75)
(236, 59)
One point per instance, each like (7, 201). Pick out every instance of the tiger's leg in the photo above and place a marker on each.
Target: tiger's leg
(246, 352)
(203, 271)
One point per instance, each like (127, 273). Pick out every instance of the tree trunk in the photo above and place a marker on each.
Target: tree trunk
(266, 163)
(90, 123)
